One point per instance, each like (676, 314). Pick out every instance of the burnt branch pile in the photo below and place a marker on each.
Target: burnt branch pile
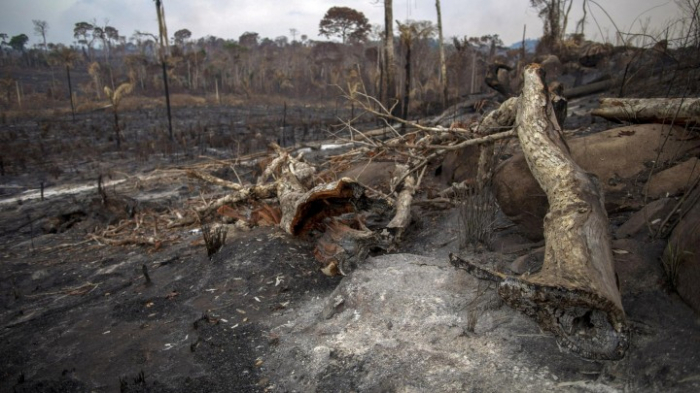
(344, 215)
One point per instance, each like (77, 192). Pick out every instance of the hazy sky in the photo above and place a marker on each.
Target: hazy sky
(273, 18)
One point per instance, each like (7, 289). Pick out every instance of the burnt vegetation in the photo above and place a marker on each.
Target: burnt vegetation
(149, 180)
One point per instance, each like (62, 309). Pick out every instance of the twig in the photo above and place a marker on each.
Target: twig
(214, 180)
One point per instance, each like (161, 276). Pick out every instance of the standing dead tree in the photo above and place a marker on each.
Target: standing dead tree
(388, 67)
(164, 51)
(575, 295)
(67, 56)
(443, 63)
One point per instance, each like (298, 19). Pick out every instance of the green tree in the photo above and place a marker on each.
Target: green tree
(18, 42)
(81, 31)
(181, 36)
(345, 23)
(249, 39)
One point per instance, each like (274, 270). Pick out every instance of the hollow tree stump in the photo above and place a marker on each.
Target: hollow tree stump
(575, 294)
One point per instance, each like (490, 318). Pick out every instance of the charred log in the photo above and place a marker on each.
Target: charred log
(677, 111)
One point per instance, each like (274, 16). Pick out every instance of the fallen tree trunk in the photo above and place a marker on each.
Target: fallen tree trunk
(677, 111)
(575, 295)
(591, 88)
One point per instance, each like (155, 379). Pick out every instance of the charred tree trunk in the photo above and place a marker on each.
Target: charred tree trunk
(117, 130)
(407, 84)
(164, 48)
(679, 111)
(167, 100)
(388, 77)
(70, 92)
(575, 295)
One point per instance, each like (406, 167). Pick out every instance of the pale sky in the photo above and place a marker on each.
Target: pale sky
(272, 18)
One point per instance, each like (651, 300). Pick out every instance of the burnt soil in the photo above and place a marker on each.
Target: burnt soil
(78, 315)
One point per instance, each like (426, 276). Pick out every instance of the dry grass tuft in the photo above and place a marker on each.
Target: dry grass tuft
(477, 216)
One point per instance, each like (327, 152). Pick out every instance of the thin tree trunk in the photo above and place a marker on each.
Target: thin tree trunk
(19, 94)
(443, 63)
(523, 52)
(163, 33)
(473, 82)
(407, 84)
(117, 132)
(70, 92)
(388, 81)
(167, 100)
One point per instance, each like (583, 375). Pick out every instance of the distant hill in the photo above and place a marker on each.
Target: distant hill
(530, 45)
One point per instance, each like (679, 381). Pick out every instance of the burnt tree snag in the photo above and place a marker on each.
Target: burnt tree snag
(575, 294)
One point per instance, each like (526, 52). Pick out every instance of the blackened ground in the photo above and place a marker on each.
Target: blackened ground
(83, 318)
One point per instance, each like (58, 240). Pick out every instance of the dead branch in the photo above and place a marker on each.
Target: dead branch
(74, 291)
(477, 141)
(258, 191)
(214, 180)
(386, 114)
(135, 240)
(403, 207)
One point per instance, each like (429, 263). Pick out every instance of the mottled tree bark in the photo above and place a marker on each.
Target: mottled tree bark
(679, 111)
(575, 295)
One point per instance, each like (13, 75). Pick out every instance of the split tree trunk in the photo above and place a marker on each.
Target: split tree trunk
(575, 295)
(679, 111)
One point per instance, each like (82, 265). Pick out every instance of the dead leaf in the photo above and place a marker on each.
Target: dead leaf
(172, 295)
